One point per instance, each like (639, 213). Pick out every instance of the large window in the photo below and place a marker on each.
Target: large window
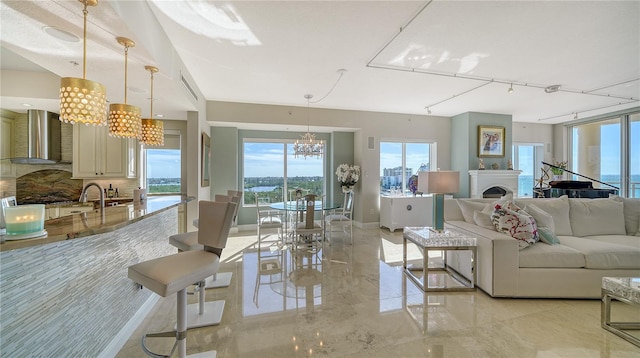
(271, 170)
(608, 150)
(399, 161)
(527, 157)
(163, 166)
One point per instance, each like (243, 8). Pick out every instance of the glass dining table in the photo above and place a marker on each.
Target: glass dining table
(289, 207)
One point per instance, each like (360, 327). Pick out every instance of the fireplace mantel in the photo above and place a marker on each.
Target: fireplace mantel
(481, 180)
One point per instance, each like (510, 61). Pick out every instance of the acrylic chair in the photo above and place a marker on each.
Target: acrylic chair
(174, 273)
(341, 217)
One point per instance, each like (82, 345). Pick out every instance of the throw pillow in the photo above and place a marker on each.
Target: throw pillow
(631, 209)
(484, 220)
(517, 224)
(467, 207)
(547, 236)
(558, 208)
(590, 217)
(542, 218)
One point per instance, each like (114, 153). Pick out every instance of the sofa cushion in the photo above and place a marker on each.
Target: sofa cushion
(543, 219)
(596, 217)
(516, 223)
(483, 219)
(556, 256)
(631, 214)
(632, 241)
(547, 236)
(467, 207)
(604, 255)
(558, 208)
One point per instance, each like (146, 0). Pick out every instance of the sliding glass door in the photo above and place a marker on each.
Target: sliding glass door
(608, 150)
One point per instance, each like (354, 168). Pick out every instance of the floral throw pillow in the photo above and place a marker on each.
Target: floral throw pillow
(516, 223)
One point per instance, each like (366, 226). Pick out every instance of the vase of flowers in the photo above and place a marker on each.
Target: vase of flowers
(348, 176)
(558, 173)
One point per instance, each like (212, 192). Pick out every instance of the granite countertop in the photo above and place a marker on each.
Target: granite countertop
(97, 221)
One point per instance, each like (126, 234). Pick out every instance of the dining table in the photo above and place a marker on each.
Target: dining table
(290, 207)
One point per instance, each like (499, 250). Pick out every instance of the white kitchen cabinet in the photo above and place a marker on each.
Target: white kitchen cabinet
(96, 154)
(7, 169)
(396, 212)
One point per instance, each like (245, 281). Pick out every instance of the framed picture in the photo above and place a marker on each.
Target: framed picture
(490, 141)
(206, 159)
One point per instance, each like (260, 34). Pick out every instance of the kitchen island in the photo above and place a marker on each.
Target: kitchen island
(68, 294)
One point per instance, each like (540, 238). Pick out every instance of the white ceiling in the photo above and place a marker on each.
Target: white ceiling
(399, 56)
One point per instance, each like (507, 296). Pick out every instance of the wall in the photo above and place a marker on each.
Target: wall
(465, 152)
(362, 124)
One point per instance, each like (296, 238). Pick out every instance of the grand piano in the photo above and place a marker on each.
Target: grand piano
(572, 188)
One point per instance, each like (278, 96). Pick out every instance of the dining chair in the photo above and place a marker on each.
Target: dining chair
(341, 217)
(308, 232)
(267, 220)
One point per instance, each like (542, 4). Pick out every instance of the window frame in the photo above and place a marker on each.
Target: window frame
(433, 155)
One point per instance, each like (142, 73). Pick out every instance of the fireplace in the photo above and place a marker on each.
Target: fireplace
(495, 182)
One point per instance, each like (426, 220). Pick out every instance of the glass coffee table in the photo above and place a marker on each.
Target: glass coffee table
(623, 289)
(427, 240)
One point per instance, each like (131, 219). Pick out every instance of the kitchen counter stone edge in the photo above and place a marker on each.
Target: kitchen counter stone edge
(97, 221)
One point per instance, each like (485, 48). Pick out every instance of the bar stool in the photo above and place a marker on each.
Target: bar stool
(203, 313)
(174, 273)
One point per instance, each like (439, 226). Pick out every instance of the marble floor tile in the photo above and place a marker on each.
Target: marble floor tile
(354, 301)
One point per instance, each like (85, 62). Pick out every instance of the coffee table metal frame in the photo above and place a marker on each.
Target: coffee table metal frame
(449, 240)
(618, 288)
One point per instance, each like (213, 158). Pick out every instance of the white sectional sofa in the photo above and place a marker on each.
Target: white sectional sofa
(598, 238)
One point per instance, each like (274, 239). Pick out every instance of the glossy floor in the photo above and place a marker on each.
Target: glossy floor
(357, 303)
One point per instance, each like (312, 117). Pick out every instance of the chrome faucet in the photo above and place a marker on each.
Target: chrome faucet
(83, 195)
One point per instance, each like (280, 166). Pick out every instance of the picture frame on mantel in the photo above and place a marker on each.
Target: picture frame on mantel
(491, 141)
(206, 159)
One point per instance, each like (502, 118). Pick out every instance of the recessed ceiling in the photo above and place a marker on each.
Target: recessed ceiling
(448, 57)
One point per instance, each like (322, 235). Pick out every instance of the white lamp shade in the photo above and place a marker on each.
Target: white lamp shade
(440, 182)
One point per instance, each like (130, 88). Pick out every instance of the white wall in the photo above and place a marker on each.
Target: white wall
(536, 133)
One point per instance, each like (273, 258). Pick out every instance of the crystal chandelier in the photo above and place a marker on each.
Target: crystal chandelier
(152, 129)
(308, 146)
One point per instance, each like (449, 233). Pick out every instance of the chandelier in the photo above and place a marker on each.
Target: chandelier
(152, 129)
(308, 146)
(83, 100)
(124, 119)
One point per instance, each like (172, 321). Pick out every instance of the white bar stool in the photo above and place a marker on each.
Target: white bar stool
(174, 273)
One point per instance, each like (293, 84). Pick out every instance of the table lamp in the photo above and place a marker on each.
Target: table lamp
(438, 183)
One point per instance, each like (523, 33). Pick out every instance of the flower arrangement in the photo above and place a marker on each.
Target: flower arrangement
(348, 176)
(561, 167)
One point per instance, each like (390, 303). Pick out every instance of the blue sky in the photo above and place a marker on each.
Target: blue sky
(163, 163)
(267, 159)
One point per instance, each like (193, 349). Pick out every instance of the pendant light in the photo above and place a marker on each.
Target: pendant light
(152, 129)
(82, 100)
(308, 146)
(124, 119)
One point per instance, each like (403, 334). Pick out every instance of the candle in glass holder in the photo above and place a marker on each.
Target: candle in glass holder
(24, 219)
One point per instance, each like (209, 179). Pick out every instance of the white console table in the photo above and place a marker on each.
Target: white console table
(396, 212)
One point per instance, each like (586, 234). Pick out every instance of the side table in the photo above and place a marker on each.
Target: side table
(429, 240)
(624, 289)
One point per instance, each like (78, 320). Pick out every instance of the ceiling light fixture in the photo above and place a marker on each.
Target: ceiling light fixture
(510, 90)
(82, 100)
(308, 146)
(152, 129)
(124, 119)
(576, 116)
(60, 34)
(552, 89)
(428, 110)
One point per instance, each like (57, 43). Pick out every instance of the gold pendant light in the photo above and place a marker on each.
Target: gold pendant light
(124, 119)
(82, 100)
(152, 129)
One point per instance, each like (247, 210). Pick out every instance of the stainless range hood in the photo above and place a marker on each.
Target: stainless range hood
(39, 139)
